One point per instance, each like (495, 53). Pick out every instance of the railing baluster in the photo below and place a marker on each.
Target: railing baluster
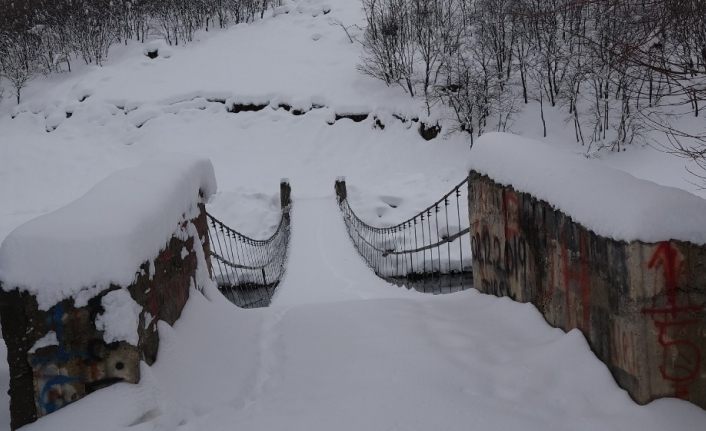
(416, 244)
(460, 245)
(409, 242)
(256, 266)
(438, 245)
(448, 232)
(431, 248)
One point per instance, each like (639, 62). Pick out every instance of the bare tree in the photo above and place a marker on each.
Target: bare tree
(389, 52)
(19, 59)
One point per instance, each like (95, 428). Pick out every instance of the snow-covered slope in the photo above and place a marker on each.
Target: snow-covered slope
(340, 349)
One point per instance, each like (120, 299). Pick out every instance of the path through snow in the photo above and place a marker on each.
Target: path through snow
(323, 264)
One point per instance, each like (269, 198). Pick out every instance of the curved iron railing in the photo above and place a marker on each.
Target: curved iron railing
(430, 252)
(248, 270)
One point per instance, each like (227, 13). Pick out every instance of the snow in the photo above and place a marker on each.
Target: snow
(339, 349)
(202, 277)
(323, 267)
(457, 362)
(304, 68)
(103, 237)
(610, 202)
(47, 340)
(120, 318)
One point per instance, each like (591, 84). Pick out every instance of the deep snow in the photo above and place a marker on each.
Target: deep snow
(103, 237)
(608, 201)
(323, 267)
(340, 349)
(456, 362)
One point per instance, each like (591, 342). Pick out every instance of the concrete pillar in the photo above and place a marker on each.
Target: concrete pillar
(641, 306)
(81, 361)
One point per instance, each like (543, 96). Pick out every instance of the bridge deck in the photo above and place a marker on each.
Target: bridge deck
(323, 264)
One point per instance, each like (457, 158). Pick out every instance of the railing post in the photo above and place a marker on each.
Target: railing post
(202, 221)
(341, 192)
(248, 270)
(422, 239)
(285, 193)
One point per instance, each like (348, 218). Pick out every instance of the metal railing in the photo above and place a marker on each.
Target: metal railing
(430, 252)
(248, 270)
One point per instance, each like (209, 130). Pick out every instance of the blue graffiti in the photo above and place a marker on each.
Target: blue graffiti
(50, 405)
(55, 322)
(53, 393)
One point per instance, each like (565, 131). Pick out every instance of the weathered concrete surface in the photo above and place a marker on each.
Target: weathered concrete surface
(82, 362)
(641, 306)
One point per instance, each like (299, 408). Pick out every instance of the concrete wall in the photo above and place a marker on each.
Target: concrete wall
(83, 362)
(641, 306)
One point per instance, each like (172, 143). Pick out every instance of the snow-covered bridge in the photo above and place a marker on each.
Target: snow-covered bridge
(339, 347)
(89, 287)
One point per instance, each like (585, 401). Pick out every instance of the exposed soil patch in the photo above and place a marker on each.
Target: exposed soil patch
(355, 117)
(428, 132)
(237, 108)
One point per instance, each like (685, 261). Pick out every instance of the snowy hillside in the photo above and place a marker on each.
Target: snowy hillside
(339, 349)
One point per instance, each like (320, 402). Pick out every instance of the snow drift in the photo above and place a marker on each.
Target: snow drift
(610, 202)
(103, 237)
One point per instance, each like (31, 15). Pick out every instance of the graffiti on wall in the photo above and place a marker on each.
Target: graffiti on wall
(576, 281)
(673, 314)
(506, 255)
(80, 363)
(652, 340)
(503, 249)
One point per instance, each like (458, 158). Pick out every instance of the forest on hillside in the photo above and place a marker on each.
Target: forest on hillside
(45, 36)
(620, 69)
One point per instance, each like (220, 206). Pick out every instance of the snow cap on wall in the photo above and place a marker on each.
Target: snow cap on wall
(103, 237)
(609, 202)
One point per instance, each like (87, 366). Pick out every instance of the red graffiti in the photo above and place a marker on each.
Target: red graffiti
(580, 276)
(681, 358)
(511, 208)
(668, 257)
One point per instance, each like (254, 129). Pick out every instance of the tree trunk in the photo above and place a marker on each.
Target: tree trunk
(541, 113)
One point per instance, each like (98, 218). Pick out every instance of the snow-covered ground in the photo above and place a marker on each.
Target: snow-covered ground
(457, 362)
(340, 349)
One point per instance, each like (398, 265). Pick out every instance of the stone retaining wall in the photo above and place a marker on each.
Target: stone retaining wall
(641, 306)
(82, 362)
